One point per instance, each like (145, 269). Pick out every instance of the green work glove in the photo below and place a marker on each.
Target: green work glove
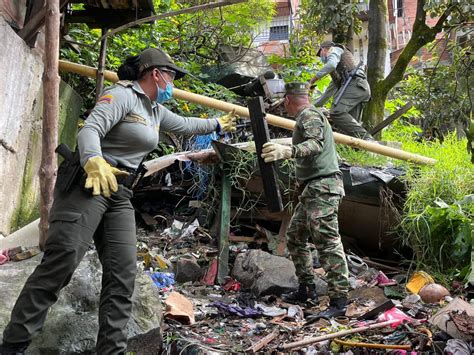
(227, 123)
(101, 176)
(274, 151)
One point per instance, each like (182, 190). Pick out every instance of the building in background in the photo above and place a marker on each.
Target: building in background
(275, 38)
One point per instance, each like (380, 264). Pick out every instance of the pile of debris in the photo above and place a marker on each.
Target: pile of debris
(244, 313)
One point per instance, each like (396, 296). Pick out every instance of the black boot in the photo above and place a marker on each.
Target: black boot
(337, 307)
(13, 348)
(302, 294)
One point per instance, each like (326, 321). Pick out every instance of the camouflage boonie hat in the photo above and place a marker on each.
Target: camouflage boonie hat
(297, 88)
(325, 44)
(154, 57)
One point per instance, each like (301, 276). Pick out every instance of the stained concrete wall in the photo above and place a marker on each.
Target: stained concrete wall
(21, 70)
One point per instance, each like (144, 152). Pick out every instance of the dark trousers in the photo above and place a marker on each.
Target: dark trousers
(76, 218)
(345, 115)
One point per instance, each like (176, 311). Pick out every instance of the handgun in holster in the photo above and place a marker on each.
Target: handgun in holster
(70, 170)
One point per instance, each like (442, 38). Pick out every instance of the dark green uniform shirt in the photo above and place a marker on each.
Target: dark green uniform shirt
(314, 148)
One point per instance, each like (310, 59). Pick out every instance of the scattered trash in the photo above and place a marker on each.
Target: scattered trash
(458, 347)
(231, 285)
(209, 277)
(179, 308)
(394, 314)
(163, 279)
(418, 280)
(443, 319)
(433, 293)
(232, 309)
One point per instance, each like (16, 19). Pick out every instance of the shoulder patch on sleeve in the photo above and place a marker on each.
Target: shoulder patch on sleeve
(106, 98)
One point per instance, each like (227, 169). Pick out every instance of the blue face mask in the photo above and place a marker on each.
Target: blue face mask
(164, 95)
(324, 59)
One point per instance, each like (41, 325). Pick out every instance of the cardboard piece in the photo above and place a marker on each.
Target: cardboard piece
(444, 321)
(179, 308)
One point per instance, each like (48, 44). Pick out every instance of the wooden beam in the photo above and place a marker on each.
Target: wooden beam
(401, 111)
(267, 170)
(99, 86)
(33, 23)
(224, 227)
(47, 173)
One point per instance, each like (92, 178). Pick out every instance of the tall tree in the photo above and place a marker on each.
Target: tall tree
(335, 17)
(449, 13)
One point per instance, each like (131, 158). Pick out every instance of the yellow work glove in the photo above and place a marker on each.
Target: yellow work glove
(274, 151)
(227, 122)
(101, 176)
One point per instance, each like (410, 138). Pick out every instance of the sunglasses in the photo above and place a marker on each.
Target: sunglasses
(171, 73)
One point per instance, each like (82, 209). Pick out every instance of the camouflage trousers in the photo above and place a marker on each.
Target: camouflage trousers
(315, 220)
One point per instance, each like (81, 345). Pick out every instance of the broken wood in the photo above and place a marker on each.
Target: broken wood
(99, 86)
(271, 119)
(377, 310)
(224, 228)
(268, 171)
(381, 266)
(262, 342)
(401, 111)
(371, 346)
(47, 172)
(320, 338)
(235, 238)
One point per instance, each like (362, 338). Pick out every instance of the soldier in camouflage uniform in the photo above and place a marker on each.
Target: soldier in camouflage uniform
(345, 116)
(315, 215)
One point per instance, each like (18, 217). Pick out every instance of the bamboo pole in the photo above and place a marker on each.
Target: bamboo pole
(298, 344)
(355, 344)
(47, 172)
(271, 119)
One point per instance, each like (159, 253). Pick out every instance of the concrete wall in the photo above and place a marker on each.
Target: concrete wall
(21, 70)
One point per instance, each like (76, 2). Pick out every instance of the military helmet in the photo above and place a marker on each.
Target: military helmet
(155, 57)
(297, 88)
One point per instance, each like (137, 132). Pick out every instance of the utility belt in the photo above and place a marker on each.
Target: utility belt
(70, 171)
(127, 180)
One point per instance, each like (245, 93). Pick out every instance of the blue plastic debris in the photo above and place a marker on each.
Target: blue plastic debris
(162, 279)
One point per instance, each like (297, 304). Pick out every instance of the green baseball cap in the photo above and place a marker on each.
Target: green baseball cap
(155, 57)
(297, 88)
(325, 44)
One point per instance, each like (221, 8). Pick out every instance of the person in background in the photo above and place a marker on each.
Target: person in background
(345, 115)
(120, 131)
(315, 216)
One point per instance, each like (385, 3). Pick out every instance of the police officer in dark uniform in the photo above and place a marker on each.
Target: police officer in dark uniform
(121, 130)
(346, 114)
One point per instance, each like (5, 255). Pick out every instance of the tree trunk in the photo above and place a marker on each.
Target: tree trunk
(47, 173)
(421, 35)
(376, 55)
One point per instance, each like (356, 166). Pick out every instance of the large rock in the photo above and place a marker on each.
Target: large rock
(264, 274)
(72, 323)
(187, 269)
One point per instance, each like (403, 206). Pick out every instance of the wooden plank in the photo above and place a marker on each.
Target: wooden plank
(238, 238)
(401, 111)
(34, 22)
(49, 140)
(99, 86)
(267, 170)
(224, 228)
(262, 342)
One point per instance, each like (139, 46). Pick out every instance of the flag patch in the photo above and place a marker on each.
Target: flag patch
(105, 98)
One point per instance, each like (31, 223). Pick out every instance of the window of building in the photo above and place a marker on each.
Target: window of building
(399, 8)
(278, 33)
